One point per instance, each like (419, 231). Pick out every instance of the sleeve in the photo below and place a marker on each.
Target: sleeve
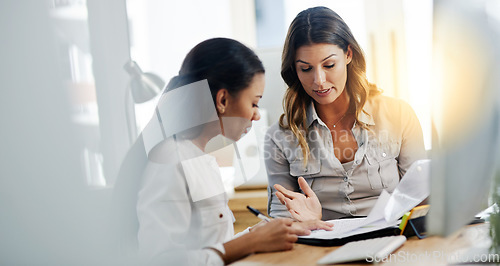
(278, 172)
(165, 216)
(412, 144)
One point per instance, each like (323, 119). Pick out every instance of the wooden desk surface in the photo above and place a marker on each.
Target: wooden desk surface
(430, 251)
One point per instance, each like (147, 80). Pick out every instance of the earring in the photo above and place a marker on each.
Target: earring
(222, 110)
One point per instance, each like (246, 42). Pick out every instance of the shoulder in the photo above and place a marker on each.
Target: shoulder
(386, 100)
(274, 131)
(278, 134)
(386, 105)
(163, 176)
(163, 152)
(276, 128)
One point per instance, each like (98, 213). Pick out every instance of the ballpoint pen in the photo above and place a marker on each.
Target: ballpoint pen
(258, 214)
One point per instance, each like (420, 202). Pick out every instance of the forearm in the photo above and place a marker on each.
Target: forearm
(239, 247)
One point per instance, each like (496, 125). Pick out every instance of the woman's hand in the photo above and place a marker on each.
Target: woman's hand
(261, 223)
(278, 234)
(313, 225)
(302, 207)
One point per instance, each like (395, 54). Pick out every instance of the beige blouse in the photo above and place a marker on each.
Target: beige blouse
(384, 153)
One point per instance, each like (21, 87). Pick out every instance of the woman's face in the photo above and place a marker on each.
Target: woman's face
(322, 70)
(241, 110)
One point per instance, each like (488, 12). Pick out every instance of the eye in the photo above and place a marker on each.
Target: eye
(330, 66)
(305, 69)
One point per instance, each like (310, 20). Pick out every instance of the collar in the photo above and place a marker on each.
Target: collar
(311, 114)
(366, 118)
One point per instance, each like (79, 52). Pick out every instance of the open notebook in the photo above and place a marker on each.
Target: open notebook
(383, 218)
(348, 227)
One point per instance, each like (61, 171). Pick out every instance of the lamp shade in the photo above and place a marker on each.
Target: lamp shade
(143, 86)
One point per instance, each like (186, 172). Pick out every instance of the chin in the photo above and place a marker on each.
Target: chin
(234, 136)
(325, 101)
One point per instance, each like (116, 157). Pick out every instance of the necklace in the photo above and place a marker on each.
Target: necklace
(335, 124)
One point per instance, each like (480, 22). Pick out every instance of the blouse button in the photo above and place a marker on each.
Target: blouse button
(384, 154)
(221, 215)
(345, 178)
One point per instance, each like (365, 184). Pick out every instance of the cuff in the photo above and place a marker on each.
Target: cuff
(219, 248)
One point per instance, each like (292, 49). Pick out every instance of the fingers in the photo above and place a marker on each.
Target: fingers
(292, 232)
(275, 235)
(294, 213)
(322, 225)
(317, 224)
(301, 231)
(286, 196)
(285, 201)
(288, 193)
(292, 207)
(286, 221)
(292, 238)
(305, 187)
(329, 225)
(281, 197)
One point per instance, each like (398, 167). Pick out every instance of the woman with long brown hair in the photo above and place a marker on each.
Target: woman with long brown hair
(339, 142)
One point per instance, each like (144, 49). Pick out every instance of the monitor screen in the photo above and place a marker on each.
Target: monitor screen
(466, 67)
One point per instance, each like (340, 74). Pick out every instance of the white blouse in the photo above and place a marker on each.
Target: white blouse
(182, 207)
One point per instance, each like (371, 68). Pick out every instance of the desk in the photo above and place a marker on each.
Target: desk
(238, 202)
(432, 250)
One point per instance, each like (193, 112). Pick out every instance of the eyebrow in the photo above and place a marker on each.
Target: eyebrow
(300, 61)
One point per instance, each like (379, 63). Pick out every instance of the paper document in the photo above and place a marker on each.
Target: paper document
(348, 227)
(413, 189)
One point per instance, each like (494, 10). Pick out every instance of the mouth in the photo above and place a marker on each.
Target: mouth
(324, 92)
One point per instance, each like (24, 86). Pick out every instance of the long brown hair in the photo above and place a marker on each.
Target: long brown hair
(314, 26)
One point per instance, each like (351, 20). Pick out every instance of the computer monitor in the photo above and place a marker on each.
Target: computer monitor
(465, 112)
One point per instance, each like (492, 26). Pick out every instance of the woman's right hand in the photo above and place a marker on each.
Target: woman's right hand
(276, 235)
(302, 207)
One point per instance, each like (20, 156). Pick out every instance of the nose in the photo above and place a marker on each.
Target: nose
(256, 115)
(319, 77)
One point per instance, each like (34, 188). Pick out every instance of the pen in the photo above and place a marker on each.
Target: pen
(258, 214)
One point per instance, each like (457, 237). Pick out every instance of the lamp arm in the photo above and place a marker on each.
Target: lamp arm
(129, 115)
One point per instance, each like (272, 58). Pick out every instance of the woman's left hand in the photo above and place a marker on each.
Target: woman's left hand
(312, 225)
(302, 207)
